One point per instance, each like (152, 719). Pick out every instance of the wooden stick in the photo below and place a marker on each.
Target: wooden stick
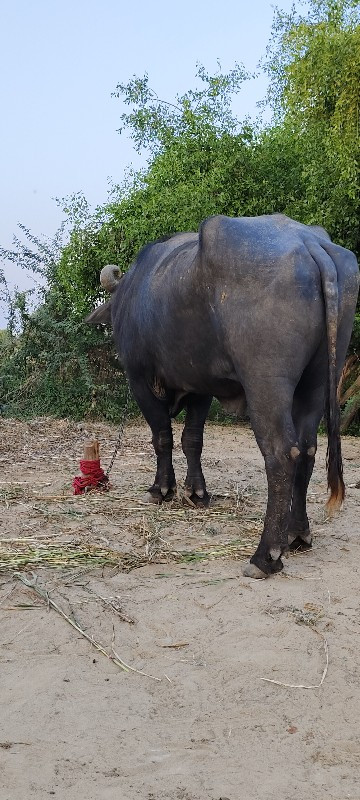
(91, 450)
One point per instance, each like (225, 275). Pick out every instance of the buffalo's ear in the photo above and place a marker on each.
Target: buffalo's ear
(101, 315)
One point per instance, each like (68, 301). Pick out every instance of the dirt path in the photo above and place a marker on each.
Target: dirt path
(206, 725)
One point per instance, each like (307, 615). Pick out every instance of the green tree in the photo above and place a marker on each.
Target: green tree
(313, 62)
(155, 124)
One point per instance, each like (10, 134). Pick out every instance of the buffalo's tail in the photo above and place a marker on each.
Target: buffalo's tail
(329, 281)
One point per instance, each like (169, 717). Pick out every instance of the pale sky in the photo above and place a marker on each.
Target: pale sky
(59, 62)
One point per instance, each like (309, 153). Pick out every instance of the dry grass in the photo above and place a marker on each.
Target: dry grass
(44, 525)
(46, 548)
(18, 554)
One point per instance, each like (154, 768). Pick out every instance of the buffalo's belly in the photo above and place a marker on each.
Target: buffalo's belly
(211, 375)
(230, 394)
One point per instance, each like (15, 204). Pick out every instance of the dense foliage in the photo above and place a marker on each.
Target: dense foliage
(201, 161)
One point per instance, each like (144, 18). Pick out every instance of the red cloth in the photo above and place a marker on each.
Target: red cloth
(93, 477)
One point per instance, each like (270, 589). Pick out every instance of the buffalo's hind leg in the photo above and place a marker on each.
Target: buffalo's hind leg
(197, 408)
(299, 536)
(272, 422)
(156, 413)
(307, 412)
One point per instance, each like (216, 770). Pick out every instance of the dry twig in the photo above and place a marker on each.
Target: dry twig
(301, 685)
(31, 584)
(126, 666)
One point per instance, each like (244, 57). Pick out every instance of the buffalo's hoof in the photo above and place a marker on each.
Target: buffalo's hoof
(155, 499)
(196, 498)
(252, 571)
(300, 541)
(268, 566)
(194, 501)
(156, 495)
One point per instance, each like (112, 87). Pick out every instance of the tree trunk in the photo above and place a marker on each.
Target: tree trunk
(350, 412)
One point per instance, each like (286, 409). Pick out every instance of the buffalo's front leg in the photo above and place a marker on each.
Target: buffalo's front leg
(276, 436)
(192, 444)
(164, 485)
(156, 413)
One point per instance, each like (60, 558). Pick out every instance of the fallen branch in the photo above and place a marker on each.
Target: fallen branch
(31, 584)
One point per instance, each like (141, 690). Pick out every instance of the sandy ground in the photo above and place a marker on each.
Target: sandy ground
(203, 724)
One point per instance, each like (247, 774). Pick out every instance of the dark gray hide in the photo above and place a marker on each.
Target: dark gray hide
(256, 310)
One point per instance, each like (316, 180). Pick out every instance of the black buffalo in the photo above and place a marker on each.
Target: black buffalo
(253, 311)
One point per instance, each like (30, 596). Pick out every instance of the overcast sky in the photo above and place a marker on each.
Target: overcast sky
(59, 62)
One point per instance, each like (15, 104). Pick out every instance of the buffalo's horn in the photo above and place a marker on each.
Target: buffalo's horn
(109, 277)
